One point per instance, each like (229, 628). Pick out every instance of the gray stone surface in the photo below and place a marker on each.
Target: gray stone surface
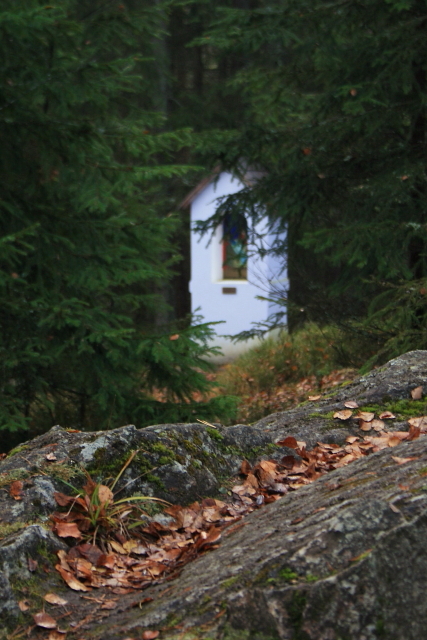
(344, 558)
(310, 422)
(33, 542)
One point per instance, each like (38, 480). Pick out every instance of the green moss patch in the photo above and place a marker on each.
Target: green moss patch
(18, 449)
(60, 471)
(8, 529)
(309, 577)
(12, 476)
(402, 409)
(214, 434)
(229, 582)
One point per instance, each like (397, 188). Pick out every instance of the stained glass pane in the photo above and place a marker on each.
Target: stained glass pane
(235, 248)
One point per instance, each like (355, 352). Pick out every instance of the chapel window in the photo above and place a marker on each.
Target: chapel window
(235, 247)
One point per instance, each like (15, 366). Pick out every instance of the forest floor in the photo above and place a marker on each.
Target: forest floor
(281, 396)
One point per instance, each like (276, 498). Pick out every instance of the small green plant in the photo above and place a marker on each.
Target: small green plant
(287, 574)
(96, 511)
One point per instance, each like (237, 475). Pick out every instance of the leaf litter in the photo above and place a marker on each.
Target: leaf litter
(117, 546)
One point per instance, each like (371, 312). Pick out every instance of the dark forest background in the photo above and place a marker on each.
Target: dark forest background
(110, 112)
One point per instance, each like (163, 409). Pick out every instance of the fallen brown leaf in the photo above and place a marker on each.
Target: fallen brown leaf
(399, 460)
(72, 582)
(378, 442)
(119, 548)
(52, 598)
(243, 490)
(288, 442)
(345, 414)
(105, 495)
(417, 393)
(414, 433)
(288, 462)
(351, 404)
(420, 422)
(57, 635)
(62, 499)
(15, 489)
(44, 620)
(386, 415)
(252, 481)
(109, 604)
(245, 467)
(32, 564)
(212, 536)
(345, 460)
(67, 530)
(378, 425)
(366, 416)
(266, 471)
(23, 605)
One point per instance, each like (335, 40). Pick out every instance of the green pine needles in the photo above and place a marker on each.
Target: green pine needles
(335, 115)
(83, 248)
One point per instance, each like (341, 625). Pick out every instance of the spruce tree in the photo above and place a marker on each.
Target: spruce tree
(83, 245)
(335, 114)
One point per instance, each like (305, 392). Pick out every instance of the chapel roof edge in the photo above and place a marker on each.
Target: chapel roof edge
(250, 176)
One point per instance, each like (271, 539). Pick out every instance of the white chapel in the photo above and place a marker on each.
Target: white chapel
(227, 275)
